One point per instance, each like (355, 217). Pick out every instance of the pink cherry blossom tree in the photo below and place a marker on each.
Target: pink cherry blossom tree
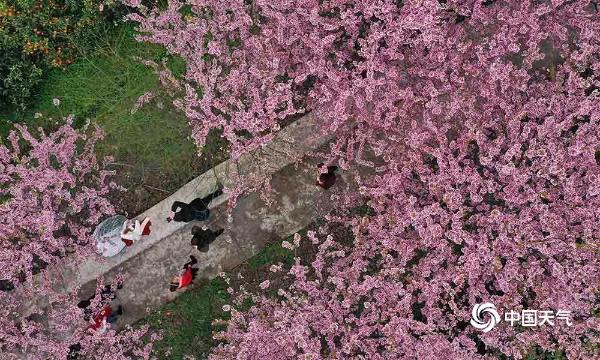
(57, 329)
(481, 121)
(494, 217)
(52, 194)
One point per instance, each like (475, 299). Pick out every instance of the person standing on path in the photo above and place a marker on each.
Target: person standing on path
(203, 237)
(195, 210)
(326, 179)
(186, 277)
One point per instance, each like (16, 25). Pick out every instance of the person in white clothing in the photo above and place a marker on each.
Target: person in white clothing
(134, 230)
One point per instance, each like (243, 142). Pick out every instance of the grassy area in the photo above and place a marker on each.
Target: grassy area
(153, 153)
(270, 255)
(187, 322)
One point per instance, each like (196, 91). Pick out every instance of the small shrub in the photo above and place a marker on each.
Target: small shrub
(39, 35)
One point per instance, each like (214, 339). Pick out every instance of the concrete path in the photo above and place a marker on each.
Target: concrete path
(288, 147)
(296, 203)
(151, 263)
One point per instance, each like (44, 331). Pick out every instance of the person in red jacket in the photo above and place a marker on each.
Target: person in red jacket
(186, 277)
(101, 323)
(106, 316)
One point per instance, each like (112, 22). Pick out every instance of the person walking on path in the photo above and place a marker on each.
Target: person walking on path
(195, 210)
(326, 179)
(203, 237)
(106, 316)
(133, 231)
(186, 277)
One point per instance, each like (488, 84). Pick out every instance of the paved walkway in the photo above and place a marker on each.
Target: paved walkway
(296, 202)
(151, 263)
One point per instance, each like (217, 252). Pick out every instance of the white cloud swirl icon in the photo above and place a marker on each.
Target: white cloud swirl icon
(477, 316)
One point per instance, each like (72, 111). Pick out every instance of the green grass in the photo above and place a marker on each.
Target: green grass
(187, 322)
(104, 86)
(272, 255)
(151, 146)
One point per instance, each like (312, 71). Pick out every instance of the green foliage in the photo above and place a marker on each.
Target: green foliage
(246, 304)
(151, 146)
(271, 255)
(364, 210)
(18, 83)
(539, 354)
(39, 35)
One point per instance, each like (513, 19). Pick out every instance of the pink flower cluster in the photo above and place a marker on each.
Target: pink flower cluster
(52, 193)
(57, 329)
(480, 120)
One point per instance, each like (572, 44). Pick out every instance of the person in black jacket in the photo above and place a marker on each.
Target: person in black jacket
(195, 210)
(203, 237)
(326, 180)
